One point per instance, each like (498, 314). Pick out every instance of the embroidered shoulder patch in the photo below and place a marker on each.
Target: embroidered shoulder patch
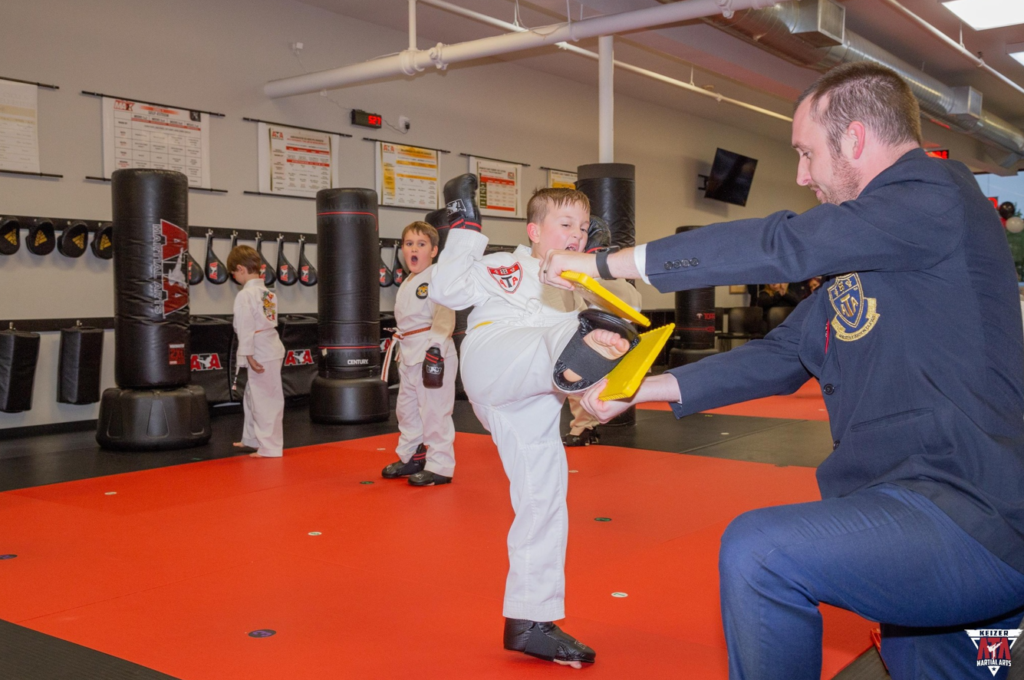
(856, 314)
(421, 291)
(270, 306)
(507, 277)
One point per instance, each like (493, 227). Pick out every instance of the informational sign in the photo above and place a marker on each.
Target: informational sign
(560, 179)
(407, 176)
(297, 162)
(499, 187)
(19, 127)
(140, 135)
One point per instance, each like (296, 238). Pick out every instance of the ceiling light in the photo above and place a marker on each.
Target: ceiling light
(1017, 52)
(984, 14)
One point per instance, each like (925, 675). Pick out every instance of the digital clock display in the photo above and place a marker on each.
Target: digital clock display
(370, 120)
(938, 153)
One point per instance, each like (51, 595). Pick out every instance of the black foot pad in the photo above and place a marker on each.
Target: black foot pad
(428, 478)
(400, 469)
(586, 438)
(545, 641)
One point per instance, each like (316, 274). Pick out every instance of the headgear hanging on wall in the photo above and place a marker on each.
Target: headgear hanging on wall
(103, 242)
(40, 240)
(10, 235)
(74, 239)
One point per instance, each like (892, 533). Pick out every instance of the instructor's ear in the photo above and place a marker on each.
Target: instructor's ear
(853, 140)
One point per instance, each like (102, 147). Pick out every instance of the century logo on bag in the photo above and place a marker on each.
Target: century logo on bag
(994, 645)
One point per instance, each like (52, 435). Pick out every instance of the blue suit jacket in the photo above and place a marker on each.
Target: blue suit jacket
(915, 337)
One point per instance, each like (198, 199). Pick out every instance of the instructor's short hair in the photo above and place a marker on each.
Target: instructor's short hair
(424, 228)
(870, 94)
(245, 256)
(546, 199)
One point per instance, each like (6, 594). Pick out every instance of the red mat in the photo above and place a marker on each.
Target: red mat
(804, 404)
(172, 568)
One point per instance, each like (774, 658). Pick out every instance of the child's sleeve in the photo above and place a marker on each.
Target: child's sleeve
(245, 325)
(454, 283)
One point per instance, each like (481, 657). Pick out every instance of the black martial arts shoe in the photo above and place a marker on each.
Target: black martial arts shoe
(545, 641)
(586, 438)
(400, 469)
(428, 478)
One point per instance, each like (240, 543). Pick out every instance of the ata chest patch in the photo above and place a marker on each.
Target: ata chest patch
(421, 291)
(856, 314)
(508, 278)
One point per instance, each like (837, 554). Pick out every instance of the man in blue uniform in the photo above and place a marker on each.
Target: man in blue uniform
(915, 337)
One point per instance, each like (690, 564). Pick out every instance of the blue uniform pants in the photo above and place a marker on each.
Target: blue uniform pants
(886, 553)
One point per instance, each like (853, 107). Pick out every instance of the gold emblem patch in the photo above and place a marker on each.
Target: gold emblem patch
(856, 314)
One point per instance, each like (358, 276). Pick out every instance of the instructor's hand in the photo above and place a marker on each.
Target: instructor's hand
(255, 365)
(603, 410)
(558, 261)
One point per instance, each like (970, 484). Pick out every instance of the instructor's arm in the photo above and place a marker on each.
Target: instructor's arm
(662, 387)
(622, 265)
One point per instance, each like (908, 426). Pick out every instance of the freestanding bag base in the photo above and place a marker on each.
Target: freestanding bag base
(153, 420)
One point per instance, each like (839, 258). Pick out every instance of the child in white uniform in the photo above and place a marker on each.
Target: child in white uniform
(260, 348)
(427, 369)
(516, 336)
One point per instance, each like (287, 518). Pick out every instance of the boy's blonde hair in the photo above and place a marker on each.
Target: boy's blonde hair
(422, 228)
(245, 256)
(546, 199)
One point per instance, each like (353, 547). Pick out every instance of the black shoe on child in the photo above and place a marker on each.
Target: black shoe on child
(428, 478)
(400, 469)
(545, 641)
(586, 438)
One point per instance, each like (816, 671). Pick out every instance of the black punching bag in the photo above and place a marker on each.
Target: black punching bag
(153, 406)
(348, 388)
(695, 315)
(611, 189)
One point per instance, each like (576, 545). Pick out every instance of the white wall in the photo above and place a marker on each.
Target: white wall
(217, 54)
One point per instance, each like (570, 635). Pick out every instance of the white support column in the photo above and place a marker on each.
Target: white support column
(606, 99)
(412, 24)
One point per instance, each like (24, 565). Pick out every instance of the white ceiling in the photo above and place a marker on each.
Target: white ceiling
(717, 60)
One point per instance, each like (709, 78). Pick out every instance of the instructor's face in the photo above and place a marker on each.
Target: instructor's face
(832, 178)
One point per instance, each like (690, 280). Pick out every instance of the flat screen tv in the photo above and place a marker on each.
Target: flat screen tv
(730, 177)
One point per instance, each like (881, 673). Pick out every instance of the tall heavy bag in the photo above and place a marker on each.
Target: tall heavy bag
(151, 313)
(611, 188)
(695, 314)
(348, 388)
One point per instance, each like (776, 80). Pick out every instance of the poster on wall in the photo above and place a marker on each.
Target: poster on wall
(297, 162)
(499, 187)
(19, 123)
(561, 179)
(140, 135)
(407, 176)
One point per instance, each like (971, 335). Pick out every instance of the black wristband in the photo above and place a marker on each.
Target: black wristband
(602, 264)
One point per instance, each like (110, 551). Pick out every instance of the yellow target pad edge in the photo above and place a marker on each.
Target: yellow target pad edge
(599, 296)
(625, 379)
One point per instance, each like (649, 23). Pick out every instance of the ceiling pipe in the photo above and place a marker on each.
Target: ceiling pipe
(412, 61)
(689, 87)
(412, 24)
(775, 29)
(606, 99)
(973, 58)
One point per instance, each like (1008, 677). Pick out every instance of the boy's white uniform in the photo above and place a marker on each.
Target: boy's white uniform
(255, 321)
(516, 331)
(425, 416)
